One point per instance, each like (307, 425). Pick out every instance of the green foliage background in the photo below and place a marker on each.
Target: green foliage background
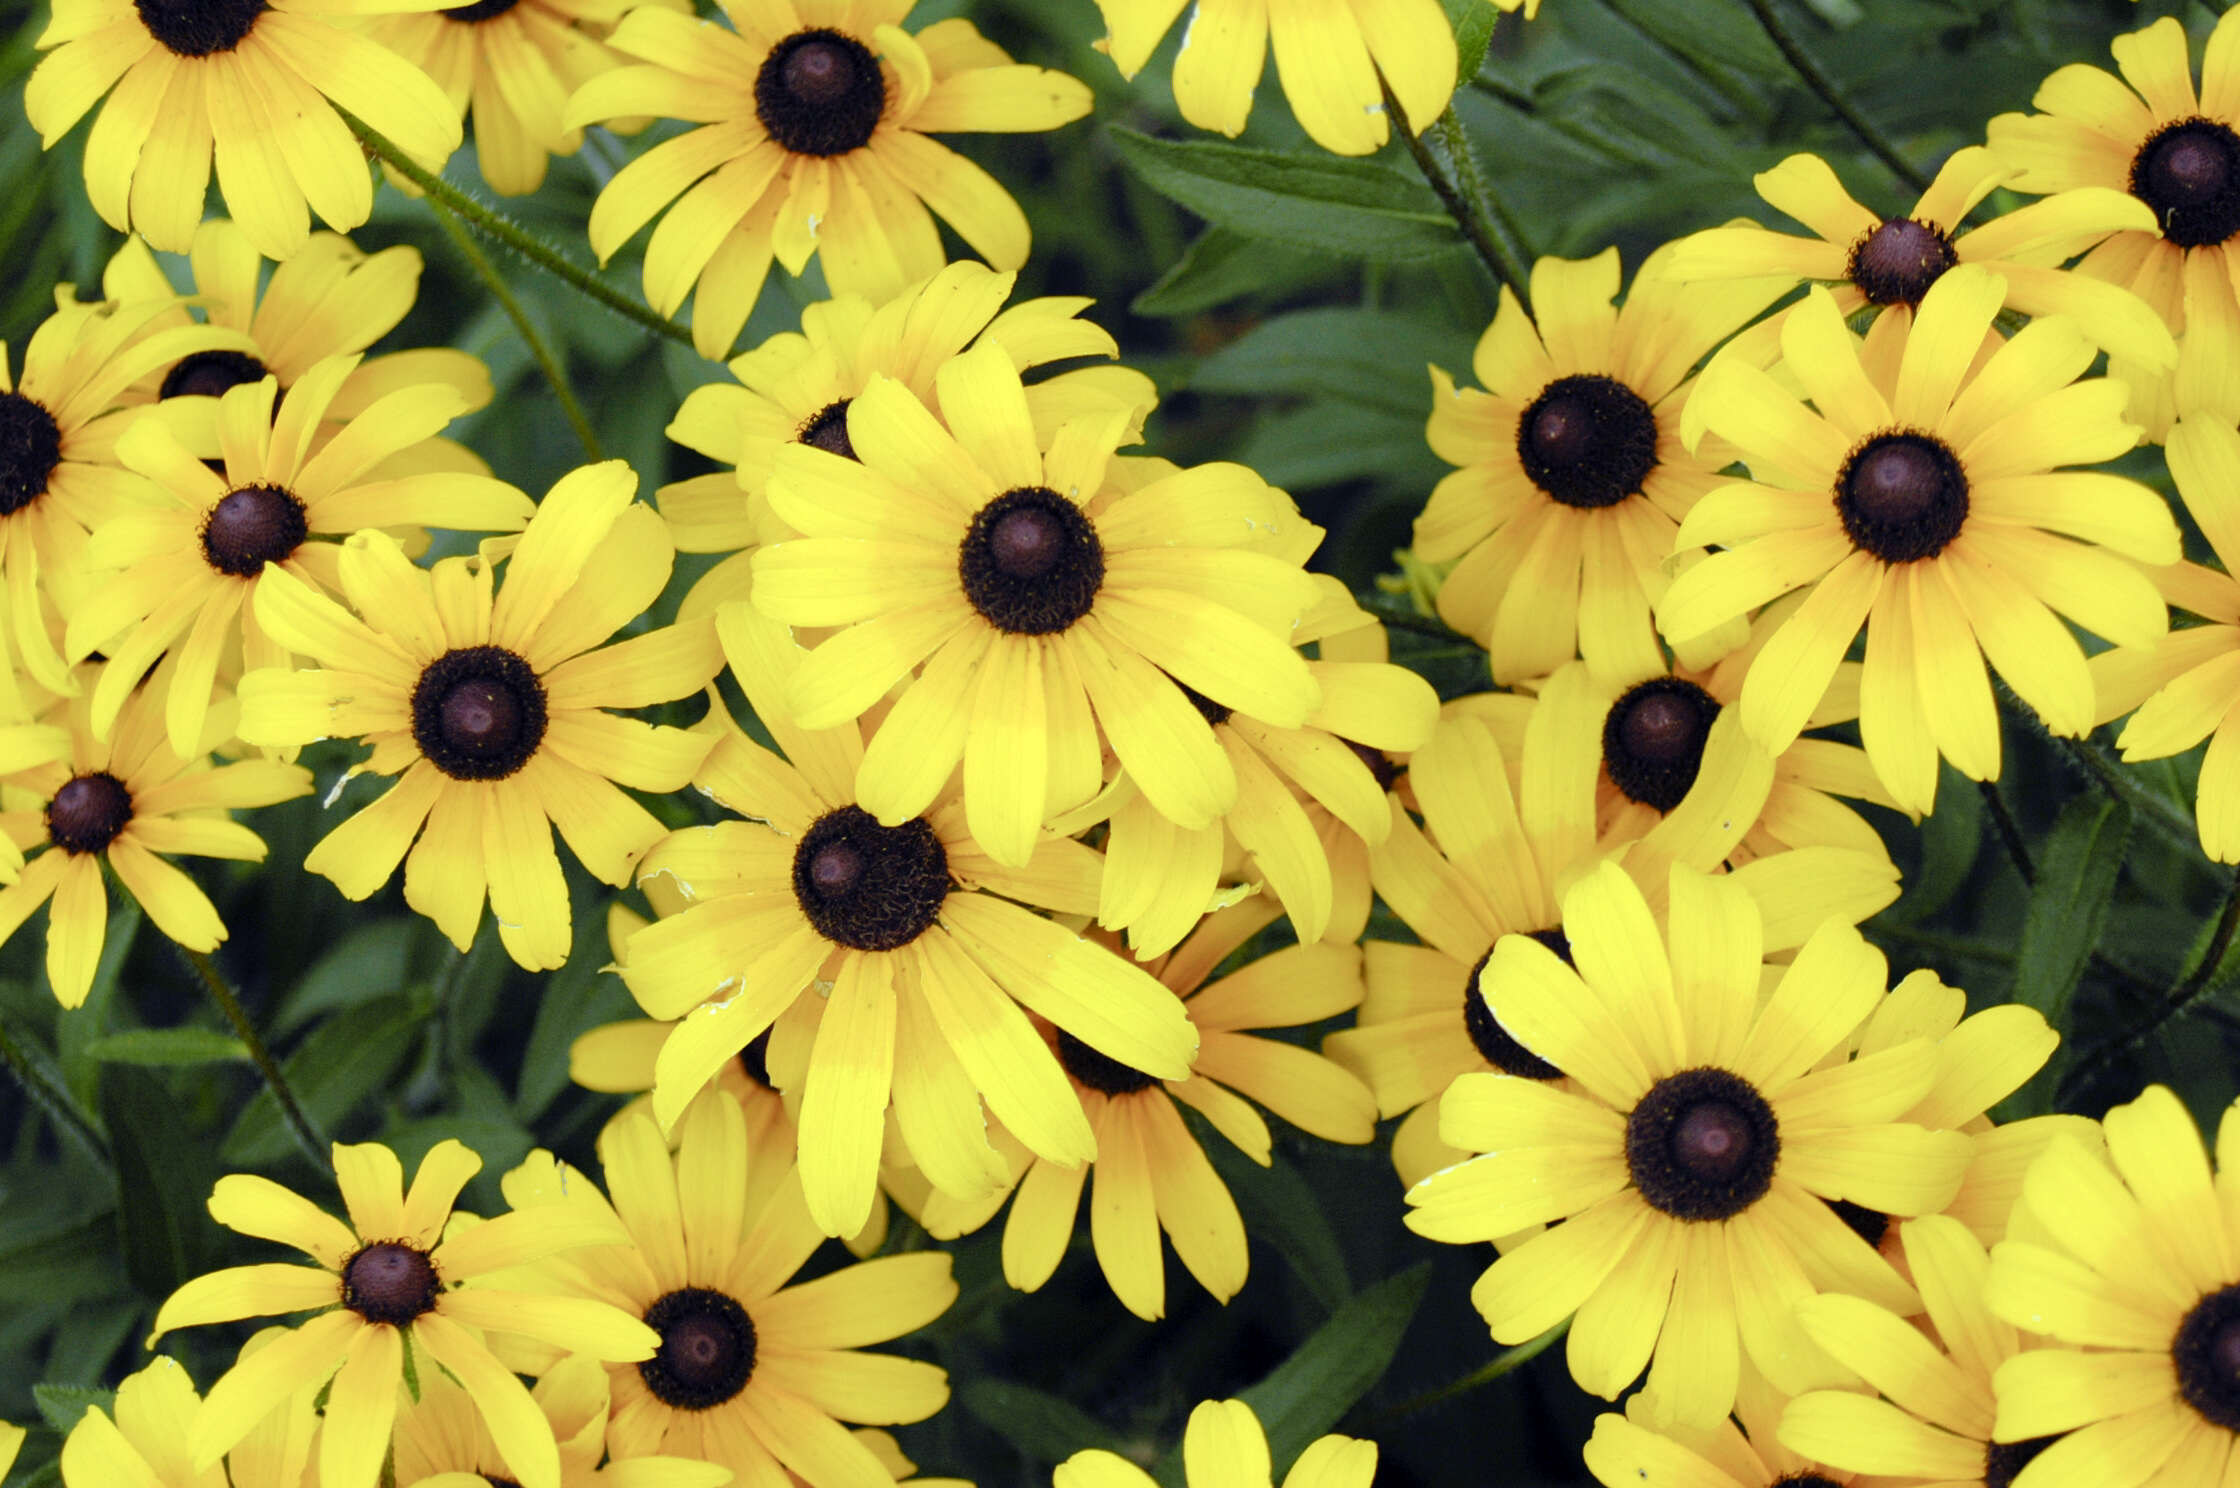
(1603, 121)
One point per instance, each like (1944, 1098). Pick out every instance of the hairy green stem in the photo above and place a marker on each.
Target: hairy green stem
(2086, 1073)
(2143, 802)
(498, 229)
(1442, 152)
(221, 992)
(1816, 78)
(2010, 835)
(54, 1101)
(1505, 1362)
(546, 362)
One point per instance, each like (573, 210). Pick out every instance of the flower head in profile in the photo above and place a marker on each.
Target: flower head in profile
(1225, 1447)
(1696, 1147)
(1574, 477)
(1033, 609)
(1919, 500)
(390, 1280)
(128, 801)
(252, 86)
(815, 140)
(1336, 62)
(489, 705)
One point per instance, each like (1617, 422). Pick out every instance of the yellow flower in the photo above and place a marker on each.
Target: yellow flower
(1643, 1447)
(1690, 1155)
(154, 1413)
(1224, 1447)
(1918, 500)
(125, 801)
(1574, 477)
(441, 1437)
(177, 571)
(389, 1280)
(252, 85)
(1335, 61)
(1046, 601)
(490, 707)
(816, 119)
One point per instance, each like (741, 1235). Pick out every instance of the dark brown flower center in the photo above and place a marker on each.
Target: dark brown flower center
(2189, 172)
(86, 815)
(1588, 441)
(2207, 1353)
(389, 1282)
(1902, 496)
(707, 1349)
(1702, 1145)
(1386, 772)
(869, 887)
(828, 430)
(1495, 1044)
(199, 28)
(207, 374)
(2003, 1462)
(820, 92)
(1805, 1480)
(1869, 1225)
(478, 713)
(1031, 563)
(754, 1060)
(1100, 1071)
(479, 11)
(1653, 739)
(1895, 264)
(251, 527)
(30, 448)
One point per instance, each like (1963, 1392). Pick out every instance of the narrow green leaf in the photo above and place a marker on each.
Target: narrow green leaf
(367, 963)
(1280, 1207)
(167, 1046)
(1951, 840)
(1042, 1426)
(1473, 22)
(578, 997)
(60, 1406)
(2077, 868)
(1323, 202)
(164, 1174)
(1221, 266)
(345, 1060)
(1356, 356)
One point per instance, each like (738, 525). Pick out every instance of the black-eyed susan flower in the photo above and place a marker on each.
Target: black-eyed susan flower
(751, 1374)
(1574, 477)
(441, 1438)
(11, 1442)
(1038, 607)
(490, 709)
(59, 425)
(251, 86)
(1150, 1174)
(1889, 263)
(900, 958)
(1330, 58)
(513, 64)
(177, 570)
(142, 1437)
(1919, 500)
(2129, 1269)
(796, 387)
(1645, 1446)
(815, 140)
(388, 1281)
(1933, 1422)
(1225, 1447)
(1692, 1155)
(129, 801)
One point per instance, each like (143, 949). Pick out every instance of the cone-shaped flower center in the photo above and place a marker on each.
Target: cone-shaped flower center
(30, 448)
(820, 92)
(479, 11)
(86, 815)
(707, 1349)
(1588, 441)
(389, 1282)
(1702, 1145)
(869, 887)
(1031, 562)
(1653, 738)
(478, 713)
(2003, 1461)
(1495, 1044)
(199, 28)
(2189, 172)
(253, 526)
(1895, 264)
(206, 374)
(1902, 496)
(828, 430)
(1100, 1071)
(2207, 1353)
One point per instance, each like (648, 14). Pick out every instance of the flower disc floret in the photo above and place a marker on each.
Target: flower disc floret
(478, 12)
(207, 374)
(1702, 1145)
(478, 712)
(30, 448)
(1895, 263)
(2207, 1353)
(251, 527)
(820, 92)
(1100, 1071)
(1031, 562)
(200, 28)
(390, 1282)
(1653, 740)
(2189, 172)
(86, 815)
(827, 429)
(1495, 1044)
(1903, 496)
(1588, 440)
(707, 1348)
(869, 887)
(2003, 1462)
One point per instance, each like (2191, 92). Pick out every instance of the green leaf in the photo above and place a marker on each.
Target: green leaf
(60, 1406)
(1951, 841)
(367, 963)
(1044, 1428)
(1357, 356)
(576, 998)
(1325, 442)
(1281, 1208)
(345, 1060)
(167, 1046)
(164, 1174)
(1221, 266)
(1322, 202)
(1473, 22)
(2077, 869)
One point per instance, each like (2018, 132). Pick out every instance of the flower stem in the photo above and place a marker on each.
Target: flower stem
(497, 228)
(52, 1099)
(547, 363)
(1443, 153)
(1505, 1362)
(1401, 617)
(2086, 1073)
(2010, 835)
(1816, 78)
(2111, 778)
(221, 992)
